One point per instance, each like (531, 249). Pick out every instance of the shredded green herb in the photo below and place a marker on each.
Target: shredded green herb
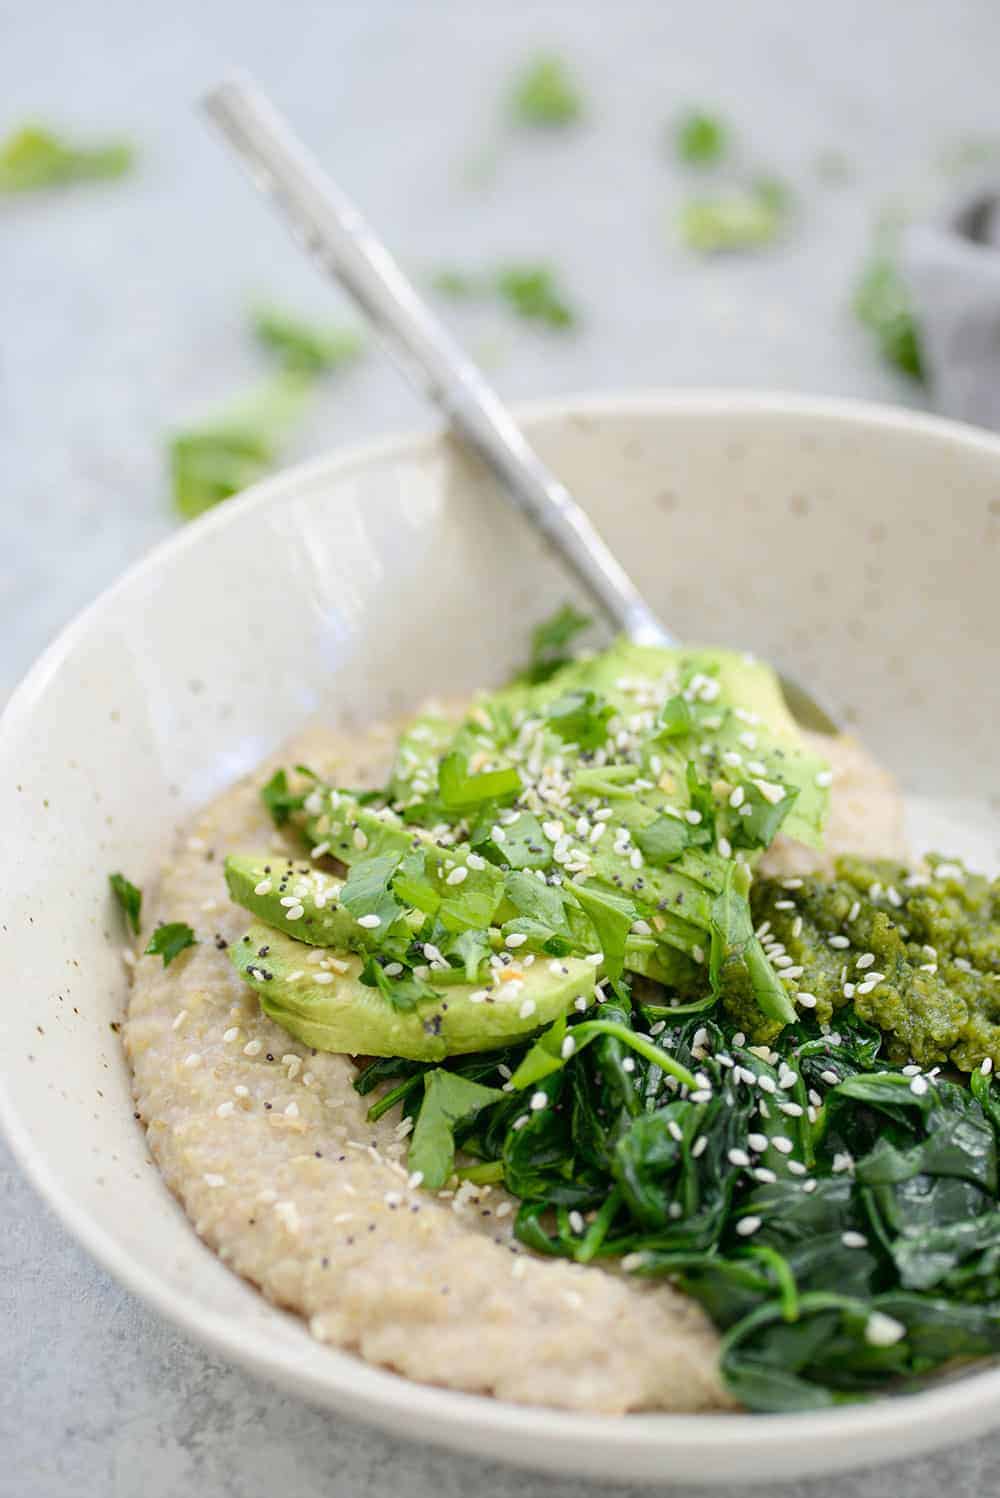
(545, 94)
(169, 940)
(34, 158)
(735, 219)
(129, 897)
(303, 347)
(882, 304)
(700, 138)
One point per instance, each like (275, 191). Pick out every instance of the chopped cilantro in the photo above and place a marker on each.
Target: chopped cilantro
(403, 992)
(523, 845)
(550, 642)
(303, 347)
(471, 948)
(129, 898)
(34, 157)
(544, 94)
(169, 940)
(459, 790)
(278, 799)
(581, 717)
(700, 138)
(882, 304)
(676, 718)
(532, 292)
(759, 827)
(367, 891)
(611, 916)
(739, 218)
(211, 462)
(663, 841)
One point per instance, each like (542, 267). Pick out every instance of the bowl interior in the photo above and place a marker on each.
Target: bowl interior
(860, 549)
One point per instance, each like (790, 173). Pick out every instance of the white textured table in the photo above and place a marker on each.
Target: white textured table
(123, 309)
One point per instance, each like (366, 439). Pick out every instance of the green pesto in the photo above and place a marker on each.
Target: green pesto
(935, 940)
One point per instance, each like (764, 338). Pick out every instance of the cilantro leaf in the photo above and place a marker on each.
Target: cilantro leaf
(459, 790)
(169, 940)
(882, 304)
(449, 1101)
(662, 841)
(403, 992)
(523, 845)
(733, 941)
(700, 138)
(611, 916)
(759, 827)
(676, 719)
(129, 897)
(533, 293)
(537, 902)
(549, 644)
(35, 157)
(279, 800)
(303, 347)
(580, 717)
(367, 891)
(545, 95)
(211, 462)
(472, 948)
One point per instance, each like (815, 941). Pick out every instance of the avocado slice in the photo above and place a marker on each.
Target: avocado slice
(260, 882)
(345, 1015)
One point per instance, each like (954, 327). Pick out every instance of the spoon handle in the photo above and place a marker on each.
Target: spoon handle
(328, 225)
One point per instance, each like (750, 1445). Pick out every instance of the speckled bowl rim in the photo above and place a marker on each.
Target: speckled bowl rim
(758, 1447)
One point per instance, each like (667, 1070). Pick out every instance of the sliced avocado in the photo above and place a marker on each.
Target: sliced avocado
(260, 883)
(346, 1016)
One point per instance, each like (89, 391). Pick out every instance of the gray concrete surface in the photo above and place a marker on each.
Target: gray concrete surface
(123, 310)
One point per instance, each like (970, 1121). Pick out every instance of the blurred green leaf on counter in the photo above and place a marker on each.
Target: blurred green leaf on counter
(302, 346)
(882, 305)
(545, 94)
(735, 218)
(700, 138)
(530, 291)
(34, 158)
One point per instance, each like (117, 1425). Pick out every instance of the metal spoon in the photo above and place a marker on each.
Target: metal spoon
(328, 225)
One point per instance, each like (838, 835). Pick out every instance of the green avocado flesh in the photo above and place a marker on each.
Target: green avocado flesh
(611, 812)
(342, 1013)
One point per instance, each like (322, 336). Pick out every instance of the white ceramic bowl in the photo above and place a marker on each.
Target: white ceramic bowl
(859, 546)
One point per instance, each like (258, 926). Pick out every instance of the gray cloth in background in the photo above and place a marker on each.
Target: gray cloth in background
(952, 270)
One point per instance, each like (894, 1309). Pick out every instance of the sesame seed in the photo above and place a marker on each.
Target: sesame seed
(224, 1109)
(214, 1180)
(840, 942)
(795, 1167)
(295, 913)
(360, 839)
(807, 1000)
(263, 888)
(757, 1142)
(515, 939)
(842, 1162)
(986, 1065)
(191, 1061)
(853, 1240)
(370, 921)
(179, 1019)
(747, 1226)
(738, 1157)
(323, 978)
(737, 797)
(253, 1048)
(824, 779)
(567, 1048)
(781, 1144)
(699, 1146)
(458, 875)
(830, 1078)
(784, 904)
(919, 1086)
(628, 1064)
(692, 816)
(882, 1330)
